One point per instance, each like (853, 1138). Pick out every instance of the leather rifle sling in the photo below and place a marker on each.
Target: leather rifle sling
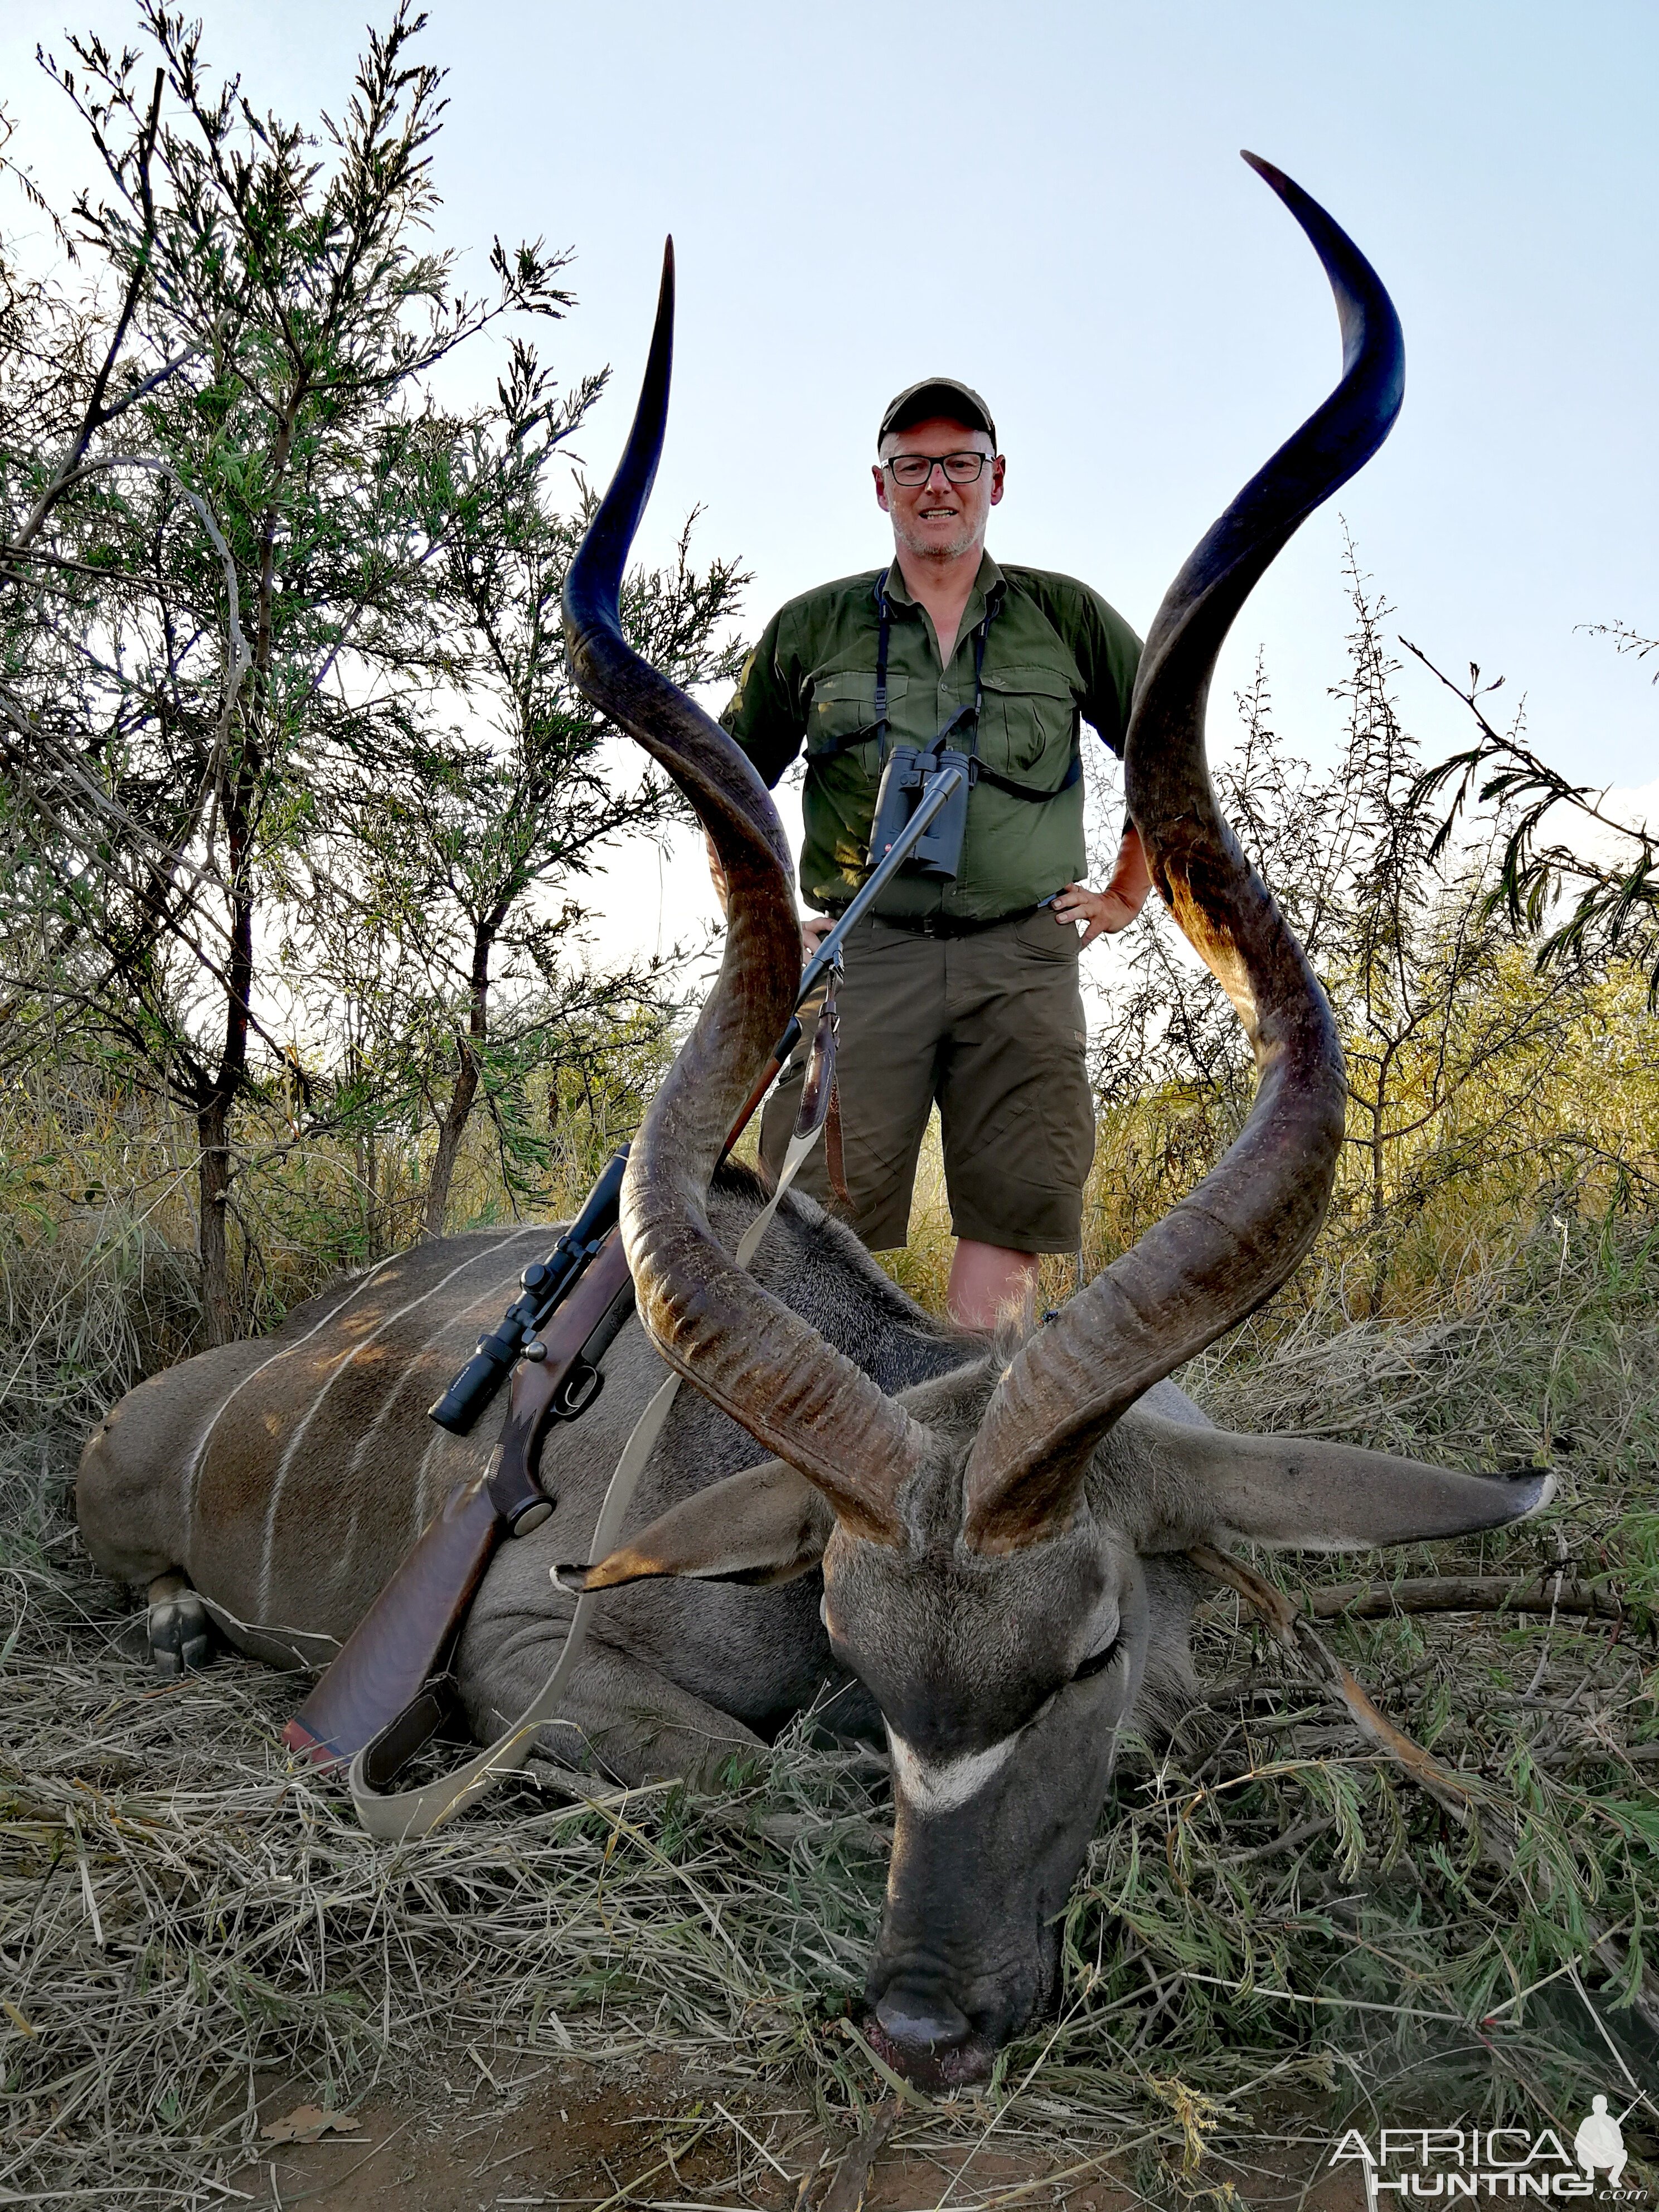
(825, 1110)
(833, 1161)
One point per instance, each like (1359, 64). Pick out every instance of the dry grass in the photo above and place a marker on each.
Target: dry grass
(1272, 1919)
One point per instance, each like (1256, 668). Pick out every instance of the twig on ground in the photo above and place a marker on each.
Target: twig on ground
(1294, 1632)
(1496, 1834)
(851, 2180)
(1549, 1594)
(1288, 1842)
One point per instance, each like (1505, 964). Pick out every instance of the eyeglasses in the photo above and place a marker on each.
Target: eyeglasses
(913, 469)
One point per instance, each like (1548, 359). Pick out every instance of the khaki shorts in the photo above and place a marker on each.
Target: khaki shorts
(990, 1025)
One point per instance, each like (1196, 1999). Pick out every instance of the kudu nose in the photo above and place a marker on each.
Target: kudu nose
(925, 2027)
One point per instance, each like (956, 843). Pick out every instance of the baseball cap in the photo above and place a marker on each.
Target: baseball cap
(938, 395)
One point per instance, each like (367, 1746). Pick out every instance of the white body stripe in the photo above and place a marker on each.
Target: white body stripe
(485, 1307)
(940, 1785)
(268, 1559)
(191, 1471)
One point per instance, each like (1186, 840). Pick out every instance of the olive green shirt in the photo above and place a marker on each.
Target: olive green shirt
(1055, 654)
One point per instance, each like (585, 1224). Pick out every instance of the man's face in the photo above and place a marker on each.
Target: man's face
(938, 520)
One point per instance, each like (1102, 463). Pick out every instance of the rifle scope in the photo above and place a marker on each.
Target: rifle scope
(543, 1283)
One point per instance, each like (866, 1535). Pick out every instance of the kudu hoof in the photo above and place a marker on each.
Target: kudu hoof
(180, 1635)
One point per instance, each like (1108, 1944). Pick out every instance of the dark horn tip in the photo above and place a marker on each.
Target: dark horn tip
(1272, 175)
(592, 584)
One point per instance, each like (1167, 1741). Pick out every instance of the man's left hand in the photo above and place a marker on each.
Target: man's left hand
(1117, 907)
(1101, 912)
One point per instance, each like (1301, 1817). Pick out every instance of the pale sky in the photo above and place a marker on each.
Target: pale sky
(1048, 203)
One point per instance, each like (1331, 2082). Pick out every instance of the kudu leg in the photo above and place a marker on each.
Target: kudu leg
(180, 1635)
(620, 1718)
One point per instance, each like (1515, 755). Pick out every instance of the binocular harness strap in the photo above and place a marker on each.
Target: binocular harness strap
(965, 720)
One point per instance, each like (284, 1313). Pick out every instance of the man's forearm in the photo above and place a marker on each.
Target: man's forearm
(1130, 878)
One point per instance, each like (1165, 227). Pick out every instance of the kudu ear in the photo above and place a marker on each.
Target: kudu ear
(765, 1525)
(1300, 1494)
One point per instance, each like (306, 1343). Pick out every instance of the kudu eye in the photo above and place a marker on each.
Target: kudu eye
(1098, 1660)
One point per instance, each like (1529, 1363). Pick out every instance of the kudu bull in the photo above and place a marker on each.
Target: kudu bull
(978, 1554)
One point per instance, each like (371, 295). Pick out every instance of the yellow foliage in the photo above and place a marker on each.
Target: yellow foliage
(1561, 1119)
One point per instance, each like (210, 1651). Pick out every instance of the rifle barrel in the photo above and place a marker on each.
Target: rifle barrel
(547, 1283)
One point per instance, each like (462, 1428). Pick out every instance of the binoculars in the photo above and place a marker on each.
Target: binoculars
(909, 770)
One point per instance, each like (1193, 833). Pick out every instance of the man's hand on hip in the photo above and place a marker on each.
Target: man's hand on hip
(1117, 907)
(1101, 912)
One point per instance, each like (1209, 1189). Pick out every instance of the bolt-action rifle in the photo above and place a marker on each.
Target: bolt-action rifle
(571, 1307)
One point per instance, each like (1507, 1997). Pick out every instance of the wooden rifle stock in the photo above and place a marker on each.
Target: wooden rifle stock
(404, 1637)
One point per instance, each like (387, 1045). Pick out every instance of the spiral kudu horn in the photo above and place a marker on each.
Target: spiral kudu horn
(739, 1345)
(1231, 1243)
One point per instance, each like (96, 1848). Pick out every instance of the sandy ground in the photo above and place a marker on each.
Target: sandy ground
(666, 2142)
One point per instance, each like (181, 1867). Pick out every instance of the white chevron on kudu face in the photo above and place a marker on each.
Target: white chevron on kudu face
(940, 1785)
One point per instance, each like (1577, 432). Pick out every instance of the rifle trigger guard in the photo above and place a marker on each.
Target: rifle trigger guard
(581, 1386)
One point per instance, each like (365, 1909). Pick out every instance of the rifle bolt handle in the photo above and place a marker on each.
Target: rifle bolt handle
(535, 1350)
(532, 1517)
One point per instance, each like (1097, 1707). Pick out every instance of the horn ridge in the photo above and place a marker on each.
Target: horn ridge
(1228, 1245)
(711, 1320)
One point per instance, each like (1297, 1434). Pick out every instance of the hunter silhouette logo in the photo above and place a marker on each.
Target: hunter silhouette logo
(1415, 2164)
(1601, 2141)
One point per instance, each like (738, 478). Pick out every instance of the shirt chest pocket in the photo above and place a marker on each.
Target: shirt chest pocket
(1028, 723)
(842, 715)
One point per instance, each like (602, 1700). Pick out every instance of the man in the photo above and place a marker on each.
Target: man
(961, 988)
